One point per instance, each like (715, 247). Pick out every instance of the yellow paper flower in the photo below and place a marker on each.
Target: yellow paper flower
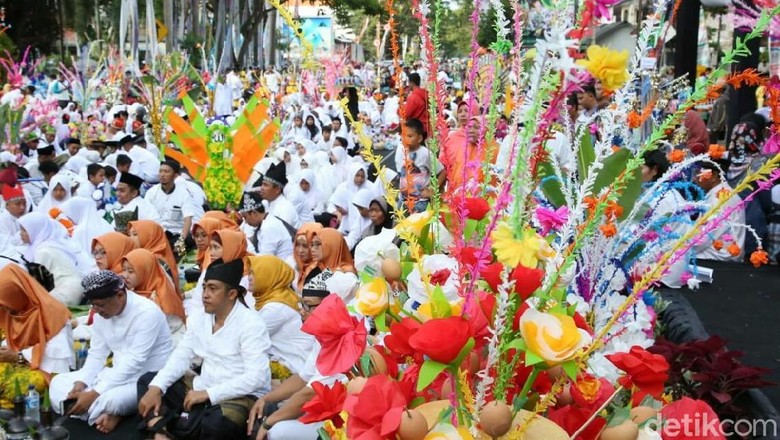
(414, 224)
(425, 313)
(553, 337)
(607, 65)
(445, 431)
(371, 298)
(527, 249)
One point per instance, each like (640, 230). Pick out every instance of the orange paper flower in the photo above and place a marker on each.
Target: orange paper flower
(734, 250)
(759, 257)
(608, 229)
(676, 156)
(634, 119)
(590, 202)
(717, 151)
(717, 244)
(613, 210)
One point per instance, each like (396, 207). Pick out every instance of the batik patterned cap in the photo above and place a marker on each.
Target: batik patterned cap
(101, 284)
(317, 286)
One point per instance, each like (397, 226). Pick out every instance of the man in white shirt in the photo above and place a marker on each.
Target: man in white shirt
(233, 343)
(144, 164)
(131, 327)
(45, 154)
(725, 243)
(128, 192)
(265, 234)
(272, 190)
(96, 178)
(175, 204)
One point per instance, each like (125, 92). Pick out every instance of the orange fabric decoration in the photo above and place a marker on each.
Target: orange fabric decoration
(154, 282)
(28, 314)
(717, 244)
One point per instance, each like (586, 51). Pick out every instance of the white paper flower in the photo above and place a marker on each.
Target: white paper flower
(420, 291)
(693, 283)
(370, 252)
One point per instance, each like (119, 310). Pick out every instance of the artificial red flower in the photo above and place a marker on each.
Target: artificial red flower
(644, 370)
(440, 277)
(582, 323)
(341, 336)
(326, 404)
(492, 275)
(526, 280)
(441, 339)
(571, 418)
(408, 384)
(477, 208)
(469, 256)
(487, 302)
(591, 392)
(390, 361)
(397, 341)
(677, 417)
(375, 412)
(519, 314)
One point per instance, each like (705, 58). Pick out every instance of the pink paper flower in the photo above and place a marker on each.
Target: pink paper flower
(549, 219)
(603, 8)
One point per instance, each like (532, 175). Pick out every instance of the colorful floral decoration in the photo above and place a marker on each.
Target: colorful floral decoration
(219, 155)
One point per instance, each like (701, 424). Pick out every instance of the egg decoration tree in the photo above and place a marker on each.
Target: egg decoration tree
(219, 155)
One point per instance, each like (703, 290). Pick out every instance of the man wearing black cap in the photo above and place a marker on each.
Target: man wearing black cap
(72, 147)
(128, 195)
(272, 190)
(131, 327)
(265, 233)
(233, 343)
(145, 164)
(45, 154)
(175, 204)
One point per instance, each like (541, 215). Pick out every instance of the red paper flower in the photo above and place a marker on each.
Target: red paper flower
(691, 420)
(590, 392)
(492, 275)
(397, 341)
(441, 339)
(375, 412)
(645, 370)
(571, 418)
(477, 208)
(342, 337)
(408, 384)
(325, 405)
(526, 280)
(440, 277)
(468, 256)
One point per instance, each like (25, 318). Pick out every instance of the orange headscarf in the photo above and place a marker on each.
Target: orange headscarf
(28, 314)
(233, 246)
(152, 238)
(154, 282)
(307, 231)
(224, 219)
(209, 226)
(117, 245)
(335, 252)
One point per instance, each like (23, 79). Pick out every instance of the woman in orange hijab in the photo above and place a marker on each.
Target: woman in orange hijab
(224, 219)
(145, 276)
(229, 246)
(304, 263)
(108, 250)
(151, 236)
(37, 325)
(330, 250)
(201, 233)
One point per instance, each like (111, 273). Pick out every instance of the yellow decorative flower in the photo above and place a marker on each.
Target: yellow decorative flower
(553, 337)
(425, 313)
(607, 65)
(414, 224)
(372, 298)
(527, 249)
(445, 431)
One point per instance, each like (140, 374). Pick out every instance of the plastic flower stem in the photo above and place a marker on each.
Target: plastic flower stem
(529, 382)
(596, 413)
(459, 409)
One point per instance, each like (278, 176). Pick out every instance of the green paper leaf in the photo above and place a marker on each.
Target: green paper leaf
(406, 268)
(381, 322)
(551, 184)
(532, 358)
(517, 344)
(464, 351)
(570, 367)
(365, 363)
(470, 227)
(365, 278)
(440, 307)
(585, 156)
(613, 166)
(428, 373)
(631, 194)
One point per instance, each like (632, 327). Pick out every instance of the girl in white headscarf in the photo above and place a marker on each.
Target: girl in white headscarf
(59, 192)
(359, 219)
(336, 173)
(88, 223)
(304, 187)
(48, 244)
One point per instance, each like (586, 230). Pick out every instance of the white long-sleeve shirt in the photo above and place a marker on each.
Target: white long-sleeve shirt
(139, 339)
(289, 345)
(174, 207)
(285, 210)
(272, 239)
(146, 211)
(235, 357)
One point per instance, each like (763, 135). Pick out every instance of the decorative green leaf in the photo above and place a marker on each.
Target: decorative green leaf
(516, 344)
(586, 155)
(365, 363)
(381, 322)
(550, 184)
(364, 277)
(630, 194)
(464, 351)
(570, 367)
(613, 166)
(406, 268)
(532, 358)
(428, 373)
(440, 307)
(470, 227)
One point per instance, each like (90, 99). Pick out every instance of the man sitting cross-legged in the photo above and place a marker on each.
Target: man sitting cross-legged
(233, 343)
(131, 327)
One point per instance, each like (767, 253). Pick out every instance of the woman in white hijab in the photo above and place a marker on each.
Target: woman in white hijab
(59, 192)
(358, 215)
(303, 188)
(48, 244)
(88, 223)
